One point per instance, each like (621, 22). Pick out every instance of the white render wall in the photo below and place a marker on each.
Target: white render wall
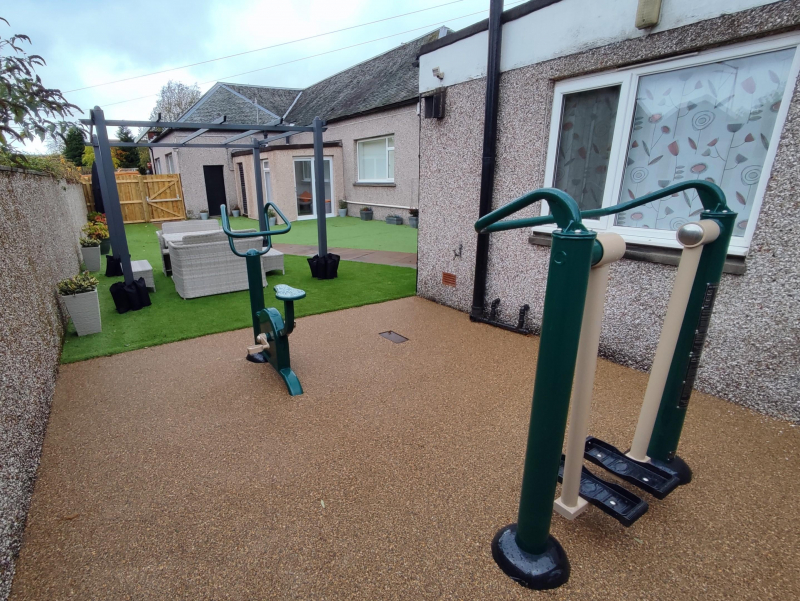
(564, 28)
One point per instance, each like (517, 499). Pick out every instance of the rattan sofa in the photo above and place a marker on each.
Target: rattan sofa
(174, 227)
(203, 264)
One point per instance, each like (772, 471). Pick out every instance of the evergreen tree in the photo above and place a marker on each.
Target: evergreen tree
(128, 157)
(74, 146)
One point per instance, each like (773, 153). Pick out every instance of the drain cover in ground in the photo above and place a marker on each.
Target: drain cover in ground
(394, 337)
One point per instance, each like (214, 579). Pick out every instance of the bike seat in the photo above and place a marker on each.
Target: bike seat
(287, 293)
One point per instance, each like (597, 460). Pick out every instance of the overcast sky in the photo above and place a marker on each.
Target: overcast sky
(92, 42)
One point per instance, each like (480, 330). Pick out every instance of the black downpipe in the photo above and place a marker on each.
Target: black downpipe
(489, 154)
(488, 166)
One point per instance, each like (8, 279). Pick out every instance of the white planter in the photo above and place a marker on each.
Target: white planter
(203, 216)
(91, 257)
(342, 212)
(273, 221)
(84, 309)
(235, 213)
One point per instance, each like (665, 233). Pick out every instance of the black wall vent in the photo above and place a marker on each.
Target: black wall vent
(433, 106)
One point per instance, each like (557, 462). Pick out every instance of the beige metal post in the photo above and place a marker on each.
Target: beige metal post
(692, 236)
(570, 504)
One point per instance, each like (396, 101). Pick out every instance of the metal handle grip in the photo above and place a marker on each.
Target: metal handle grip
(226, 227)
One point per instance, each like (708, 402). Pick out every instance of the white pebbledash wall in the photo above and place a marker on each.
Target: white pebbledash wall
(564, 28)
(752, 355)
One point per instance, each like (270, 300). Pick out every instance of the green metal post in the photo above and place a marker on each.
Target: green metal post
(255, 282)
(567, 280)
(685, 360)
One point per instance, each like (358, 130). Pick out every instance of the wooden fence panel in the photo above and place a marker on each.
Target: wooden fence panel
(144, 198)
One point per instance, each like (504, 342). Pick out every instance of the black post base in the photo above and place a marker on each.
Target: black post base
(676, 466)
(546, 570)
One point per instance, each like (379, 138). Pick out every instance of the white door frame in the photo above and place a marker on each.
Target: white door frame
(313, 187)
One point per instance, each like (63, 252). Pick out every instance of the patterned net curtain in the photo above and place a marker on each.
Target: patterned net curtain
(584, 148)
(712, 122)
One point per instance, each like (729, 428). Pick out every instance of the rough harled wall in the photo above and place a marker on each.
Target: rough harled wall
(752, 355)
(189, 163)
(40, 222)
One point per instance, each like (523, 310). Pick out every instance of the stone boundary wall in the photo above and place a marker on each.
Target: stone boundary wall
(40, 222)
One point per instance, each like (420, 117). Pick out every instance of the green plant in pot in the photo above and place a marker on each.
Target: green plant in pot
(413, 218)
(90, 253)
(273, 216)
(79, 294)
(366, 213)
(98, 230)
(343, 208)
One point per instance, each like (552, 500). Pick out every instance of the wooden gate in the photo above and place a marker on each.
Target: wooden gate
(145, 198)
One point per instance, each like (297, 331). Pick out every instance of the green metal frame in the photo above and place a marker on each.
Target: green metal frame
(267, 321)
(574, 250)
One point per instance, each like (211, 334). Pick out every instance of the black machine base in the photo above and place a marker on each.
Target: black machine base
(618, 502)
(647, 476)
(677, 467)
(542, 571)
(257, 358)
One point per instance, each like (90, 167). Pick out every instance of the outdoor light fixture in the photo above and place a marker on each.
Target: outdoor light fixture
(438, 73)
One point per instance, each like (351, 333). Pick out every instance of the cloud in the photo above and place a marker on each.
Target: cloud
(86, 42)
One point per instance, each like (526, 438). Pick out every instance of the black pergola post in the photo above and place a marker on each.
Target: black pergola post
(108, 185)
(319, 189)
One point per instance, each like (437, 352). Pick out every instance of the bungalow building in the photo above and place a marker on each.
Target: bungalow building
(607, 105)
(371, 146)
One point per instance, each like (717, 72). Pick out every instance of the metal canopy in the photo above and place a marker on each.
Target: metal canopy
(108, 183)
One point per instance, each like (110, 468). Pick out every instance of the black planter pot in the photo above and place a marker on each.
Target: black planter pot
(413, 222)
(325, 267)
(394, 220)
(105, 246)
(365, 215)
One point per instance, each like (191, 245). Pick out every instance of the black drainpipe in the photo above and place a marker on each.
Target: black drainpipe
(478, 312)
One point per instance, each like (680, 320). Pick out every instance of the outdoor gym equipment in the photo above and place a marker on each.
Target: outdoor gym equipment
(568, 347)
(270, 332)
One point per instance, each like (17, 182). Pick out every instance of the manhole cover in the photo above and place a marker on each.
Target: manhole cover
(394, 337)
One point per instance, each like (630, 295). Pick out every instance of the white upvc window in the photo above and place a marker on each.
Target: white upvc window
(170, 165)
(376, 160)
(157, 166)
(715, 116)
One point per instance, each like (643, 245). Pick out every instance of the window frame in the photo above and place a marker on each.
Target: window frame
(169, 162)
(387, 148)
(628, 80)
(157, 166)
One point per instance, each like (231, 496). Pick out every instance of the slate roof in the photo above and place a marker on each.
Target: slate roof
(387, 79)
(242, 104)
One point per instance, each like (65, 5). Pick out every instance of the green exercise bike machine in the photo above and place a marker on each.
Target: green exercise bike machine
(270, 331)
(573, 308)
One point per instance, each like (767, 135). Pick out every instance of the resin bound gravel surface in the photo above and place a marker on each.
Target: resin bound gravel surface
(191, 474)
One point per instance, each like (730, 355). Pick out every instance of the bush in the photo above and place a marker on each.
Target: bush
(343, 204)
(55, 165)
(235, 208)
(89, 242)
(94, 216)
(271, 213)
(414, 212)
(83, 282)
(366, 208)
(96, 230)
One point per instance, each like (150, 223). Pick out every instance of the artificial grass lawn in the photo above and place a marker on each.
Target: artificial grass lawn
(172, 318)
(345, 232)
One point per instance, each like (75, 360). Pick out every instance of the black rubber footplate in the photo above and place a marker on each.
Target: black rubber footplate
(650, 478)
(618, 502)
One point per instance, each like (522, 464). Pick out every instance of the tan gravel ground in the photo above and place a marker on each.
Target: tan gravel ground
(185, 472)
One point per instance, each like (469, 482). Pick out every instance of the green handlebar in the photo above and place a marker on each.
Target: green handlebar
(564, 209)
(711, 196)
(226, 227)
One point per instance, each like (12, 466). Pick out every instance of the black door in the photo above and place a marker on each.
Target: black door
(215, 188)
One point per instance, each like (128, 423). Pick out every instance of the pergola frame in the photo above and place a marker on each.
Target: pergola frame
(108, 183)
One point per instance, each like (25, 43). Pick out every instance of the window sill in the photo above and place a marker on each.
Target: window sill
(652, 254)
(376, 184)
